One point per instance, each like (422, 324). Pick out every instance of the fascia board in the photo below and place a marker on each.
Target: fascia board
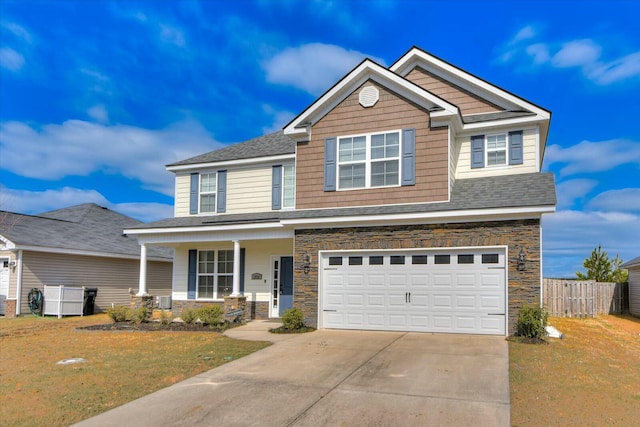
(426, 217)
(6, 243)
(367, 70)
(231, 163)
(463, 79)
(203, 228)
(529, 122)
(87, 253)
(173, 239)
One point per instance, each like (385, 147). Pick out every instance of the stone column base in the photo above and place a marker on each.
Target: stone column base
(235, 308)
(10, 308)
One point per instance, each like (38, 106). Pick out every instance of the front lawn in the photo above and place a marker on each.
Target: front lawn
(592, 377)
(120, 366)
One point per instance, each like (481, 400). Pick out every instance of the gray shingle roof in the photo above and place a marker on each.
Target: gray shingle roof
(509, 191)
(634, 262)
(500, 115)
(273, 144)
(87, 227)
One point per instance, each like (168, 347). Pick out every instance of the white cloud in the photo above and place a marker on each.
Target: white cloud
(99, 113)
(279, 118)
(626, 200)
(312, 67)
(172, 35)
(18, 31)
(577, 53)
(10, 59)
(35, 202)
(79, 148)
(589, 157)
(570, 236)
(583, 54)
(567, 192)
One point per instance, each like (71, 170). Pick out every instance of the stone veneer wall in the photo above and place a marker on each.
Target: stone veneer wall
(252, 310)
(523, 286)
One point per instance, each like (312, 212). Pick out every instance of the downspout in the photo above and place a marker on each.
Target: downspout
(19, 282)
(541, 269)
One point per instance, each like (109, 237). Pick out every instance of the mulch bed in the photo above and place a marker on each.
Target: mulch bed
(158, 326)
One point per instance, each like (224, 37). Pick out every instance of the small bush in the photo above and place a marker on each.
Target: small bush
(165, 318)
(532, 321)
(293, 319)
(188, 315)
(210, 314)
(119, 313)
(139, 315)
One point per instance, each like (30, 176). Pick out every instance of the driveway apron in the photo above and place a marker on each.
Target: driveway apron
(340, 378)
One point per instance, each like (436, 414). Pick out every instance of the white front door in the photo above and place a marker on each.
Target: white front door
(444, 290)
(4, 284)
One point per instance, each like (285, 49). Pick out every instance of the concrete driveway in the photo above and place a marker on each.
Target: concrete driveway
(340, 378)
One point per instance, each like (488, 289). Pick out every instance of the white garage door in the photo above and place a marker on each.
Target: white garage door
(453, 291)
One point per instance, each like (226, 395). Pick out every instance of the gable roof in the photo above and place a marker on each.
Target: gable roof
(299, 127)
(633, 263)
(273, 144)
(83, 229)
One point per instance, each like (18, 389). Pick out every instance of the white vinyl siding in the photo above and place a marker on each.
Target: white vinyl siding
(112, 276)
(462, 151)
(181, 199)
(249, 190)
(634, 291)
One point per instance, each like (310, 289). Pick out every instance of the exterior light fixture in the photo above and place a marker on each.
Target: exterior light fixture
(522, 258)
(306, 260)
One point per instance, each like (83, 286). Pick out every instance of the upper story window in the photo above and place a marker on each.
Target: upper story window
(371, 160)
(208, 192)
(283, 187)
(497, 149)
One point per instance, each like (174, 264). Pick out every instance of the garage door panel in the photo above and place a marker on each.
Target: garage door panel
(458, 296)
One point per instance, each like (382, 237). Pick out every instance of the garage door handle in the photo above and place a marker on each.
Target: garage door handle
(330, 310)
(495, 314)
(407, 297)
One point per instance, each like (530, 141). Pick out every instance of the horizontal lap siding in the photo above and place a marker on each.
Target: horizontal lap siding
(634, 291)
(183, 185)
(464, 100)
(112, 276)
(529, 164)
(391, 112)
(249, 190)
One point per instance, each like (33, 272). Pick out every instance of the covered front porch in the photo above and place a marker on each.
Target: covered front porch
(214, 264)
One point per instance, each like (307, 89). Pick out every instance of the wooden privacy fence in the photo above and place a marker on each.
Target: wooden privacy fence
(572, 298)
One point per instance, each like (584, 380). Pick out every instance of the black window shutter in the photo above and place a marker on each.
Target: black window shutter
(242, 263)
(192, 274)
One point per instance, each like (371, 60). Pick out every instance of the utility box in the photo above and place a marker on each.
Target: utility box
(63, 300)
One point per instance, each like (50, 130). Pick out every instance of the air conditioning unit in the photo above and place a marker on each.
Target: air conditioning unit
(164, 303)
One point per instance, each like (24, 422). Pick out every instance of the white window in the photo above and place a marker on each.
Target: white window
(371, 160)
(208, 192)
(215, 274)
(288, 186)
(496, 149)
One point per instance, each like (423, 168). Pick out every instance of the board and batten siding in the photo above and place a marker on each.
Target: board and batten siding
(258, 255)
(111, 276)
(248, 190)
(529, 164)
(467, 102)
(391, 112)
(634, 291)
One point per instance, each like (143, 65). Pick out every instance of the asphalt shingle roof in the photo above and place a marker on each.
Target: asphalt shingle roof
(509, 191)
(87, 227)
(499, 115)
(273, 144)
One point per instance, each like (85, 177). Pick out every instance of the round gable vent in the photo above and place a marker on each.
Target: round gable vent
(369, 95)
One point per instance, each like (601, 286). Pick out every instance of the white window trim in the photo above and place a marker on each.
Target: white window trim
(201, 193)
(282, 198)
(368, 160)
(215, 274)
(506, 150)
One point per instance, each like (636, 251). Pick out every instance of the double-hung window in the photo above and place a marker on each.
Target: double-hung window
(371, 160)
(288, 186)
(208, 192)
(215, 274)
(497, 149)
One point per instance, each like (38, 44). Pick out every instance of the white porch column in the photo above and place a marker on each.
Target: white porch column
(142, 287)
(236, 269)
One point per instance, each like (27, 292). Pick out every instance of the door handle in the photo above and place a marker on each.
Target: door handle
(409, 297)
(406, 297)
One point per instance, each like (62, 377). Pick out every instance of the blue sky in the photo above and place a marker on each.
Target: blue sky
(97, 96)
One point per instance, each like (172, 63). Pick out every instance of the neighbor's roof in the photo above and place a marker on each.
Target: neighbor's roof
(633, 263)
(83, 228)
(273, 144)
(494, 192)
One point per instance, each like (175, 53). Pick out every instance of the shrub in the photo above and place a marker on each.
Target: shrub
(210, 314)
(293, 319)
(165, 318)
(139, 315)
(532, 321)
(119, 313)
(188, 315)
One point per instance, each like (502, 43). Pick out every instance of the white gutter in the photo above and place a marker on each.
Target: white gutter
(87, 253)
(227, 163)
(199, 229)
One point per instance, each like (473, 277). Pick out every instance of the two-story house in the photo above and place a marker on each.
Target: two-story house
(404, 198)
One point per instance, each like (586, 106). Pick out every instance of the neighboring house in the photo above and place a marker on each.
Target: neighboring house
(77, 246)
(634, 285)
(404, 198)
